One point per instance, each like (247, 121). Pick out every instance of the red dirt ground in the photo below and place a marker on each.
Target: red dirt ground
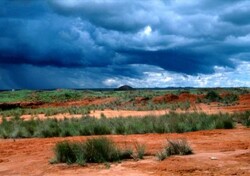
(84, 102)
(230, 148)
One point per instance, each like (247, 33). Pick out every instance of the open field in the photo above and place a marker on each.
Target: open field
(215, 123)
(231, 149)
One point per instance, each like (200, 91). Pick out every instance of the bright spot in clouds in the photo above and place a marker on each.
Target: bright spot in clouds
(147, 31)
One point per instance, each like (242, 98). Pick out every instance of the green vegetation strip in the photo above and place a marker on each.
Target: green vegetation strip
(47, 111)
(62, 95)
(173, 122)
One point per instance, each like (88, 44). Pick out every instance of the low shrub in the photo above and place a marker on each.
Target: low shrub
(178, 147)
(243, 118)
(95, 150)
(101, 150)
(161, 155)
(229, 99)
(174, 147)
(213, 96)
(126, 153)
(140, 151)
(224, 122)
(65, 152)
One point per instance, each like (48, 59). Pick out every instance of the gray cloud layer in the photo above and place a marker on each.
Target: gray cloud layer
(101, 39)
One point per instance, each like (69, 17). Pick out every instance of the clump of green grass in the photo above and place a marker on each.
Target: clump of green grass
(127, 153)
(229, 99)
(69, 152)
(161, 155)
(140, 151)
(243, 118)
(101, 150)
(178, 147)
(175, 147)
(213, 96)
(95, 150)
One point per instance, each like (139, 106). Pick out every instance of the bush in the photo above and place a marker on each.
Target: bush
(66, 152)
(230, 98)
(140, 151)
(224, 122)
(213, 96)
(161, 155)
(243, 118)
(178, 147)
(175, 147)
(95, 150)
(126, 154)
(101, 150)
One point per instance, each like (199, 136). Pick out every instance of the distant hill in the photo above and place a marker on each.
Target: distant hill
(125, 87)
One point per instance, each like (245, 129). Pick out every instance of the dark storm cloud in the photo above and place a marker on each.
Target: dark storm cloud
(22, 9)
(238, 14)
(114, 15)
(169, 59)
(109, 37)
(34, 77)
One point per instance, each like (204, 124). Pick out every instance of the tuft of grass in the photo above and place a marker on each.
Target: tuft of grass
(161, 155)
(174, 147)
(107, 165)
(230, 99)
(178, 147)
(212, 96)
(69, 152)
(126, 153)
(65, 153)
(95, 150)
(243, 118)
(140, 151)
(101, 150)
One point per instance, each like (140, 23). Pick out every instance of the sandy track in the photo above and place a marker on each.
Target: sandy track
(230, 147)
(202, 108)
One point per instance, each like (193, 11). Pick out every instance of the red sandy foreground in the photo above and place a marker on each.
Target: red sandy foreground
(216, 152)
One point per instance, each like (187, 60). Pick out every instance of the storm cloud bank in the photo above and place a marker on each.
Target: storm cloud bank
(104, 43)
